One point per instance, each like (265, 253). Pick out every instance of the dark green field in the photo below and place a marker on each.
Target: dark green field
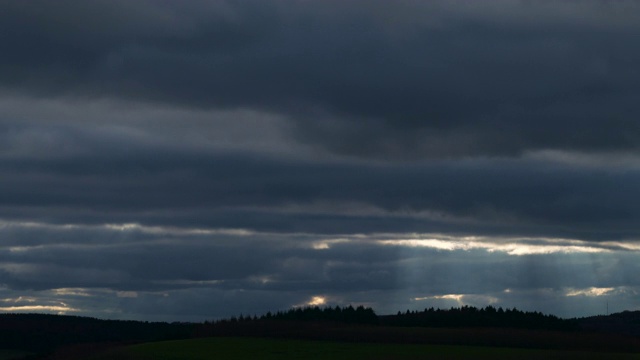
(12, 354)
(258, 348)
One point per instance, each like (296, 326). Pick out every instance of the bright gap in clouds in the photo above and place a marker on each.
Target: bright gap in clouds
(592, 292)
(35, 304)
(317, 301)
(550, 246)
(459, 299)
(511, 246)
(61, 310)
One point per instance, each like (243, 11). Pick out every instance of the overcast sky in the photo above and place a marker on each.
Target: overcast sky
(165, 160)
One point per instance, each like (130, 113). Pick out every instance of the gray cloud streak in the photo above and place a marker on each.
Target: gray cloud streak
(155, 185)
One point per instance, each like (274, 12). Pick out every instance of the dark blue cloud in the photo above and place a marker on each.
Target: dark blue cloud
(449, 83)
(236, 190)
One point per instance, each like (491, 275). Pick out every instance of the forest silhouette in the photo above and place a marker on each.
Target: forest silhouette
(46, 336)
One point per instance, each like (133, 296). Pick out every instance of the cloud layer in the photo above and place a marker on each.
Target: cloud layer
(366, 79)
(184, 161)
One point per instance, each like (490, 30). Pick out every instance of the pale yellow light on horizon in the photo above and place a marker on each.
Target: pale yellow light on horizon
(461, 299)
(456, 297)
(61, 309)
(71, 292)
(591, 292)
(317, 301)
(511, 248)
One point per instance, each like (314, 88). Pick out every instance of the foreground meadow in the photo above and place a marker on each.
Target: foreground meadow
(260, 348)
(6, 354)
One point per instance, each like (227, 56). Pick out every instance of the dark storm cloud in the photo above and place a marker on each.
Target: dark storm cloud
(384, 79)
(235, 190)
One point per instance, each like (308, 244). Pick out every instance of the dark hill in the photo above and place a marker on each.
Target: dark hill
(43, 333)
(469, 316)
(626, 322)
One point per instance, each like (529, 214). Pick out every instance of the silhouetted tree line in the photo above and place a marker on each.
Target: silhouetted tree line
(349, 314)
(300, 322)
(469, 316)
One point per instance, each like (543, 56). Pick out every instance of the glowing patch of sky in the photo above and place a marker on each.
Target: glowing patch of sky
(592, 292)
(459, 299)
(317, 301)
(61, 309)
(517, 248)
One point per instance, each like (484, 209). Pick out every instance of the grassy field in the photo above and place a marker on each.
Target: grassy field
(12, 354)
(258, 348)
